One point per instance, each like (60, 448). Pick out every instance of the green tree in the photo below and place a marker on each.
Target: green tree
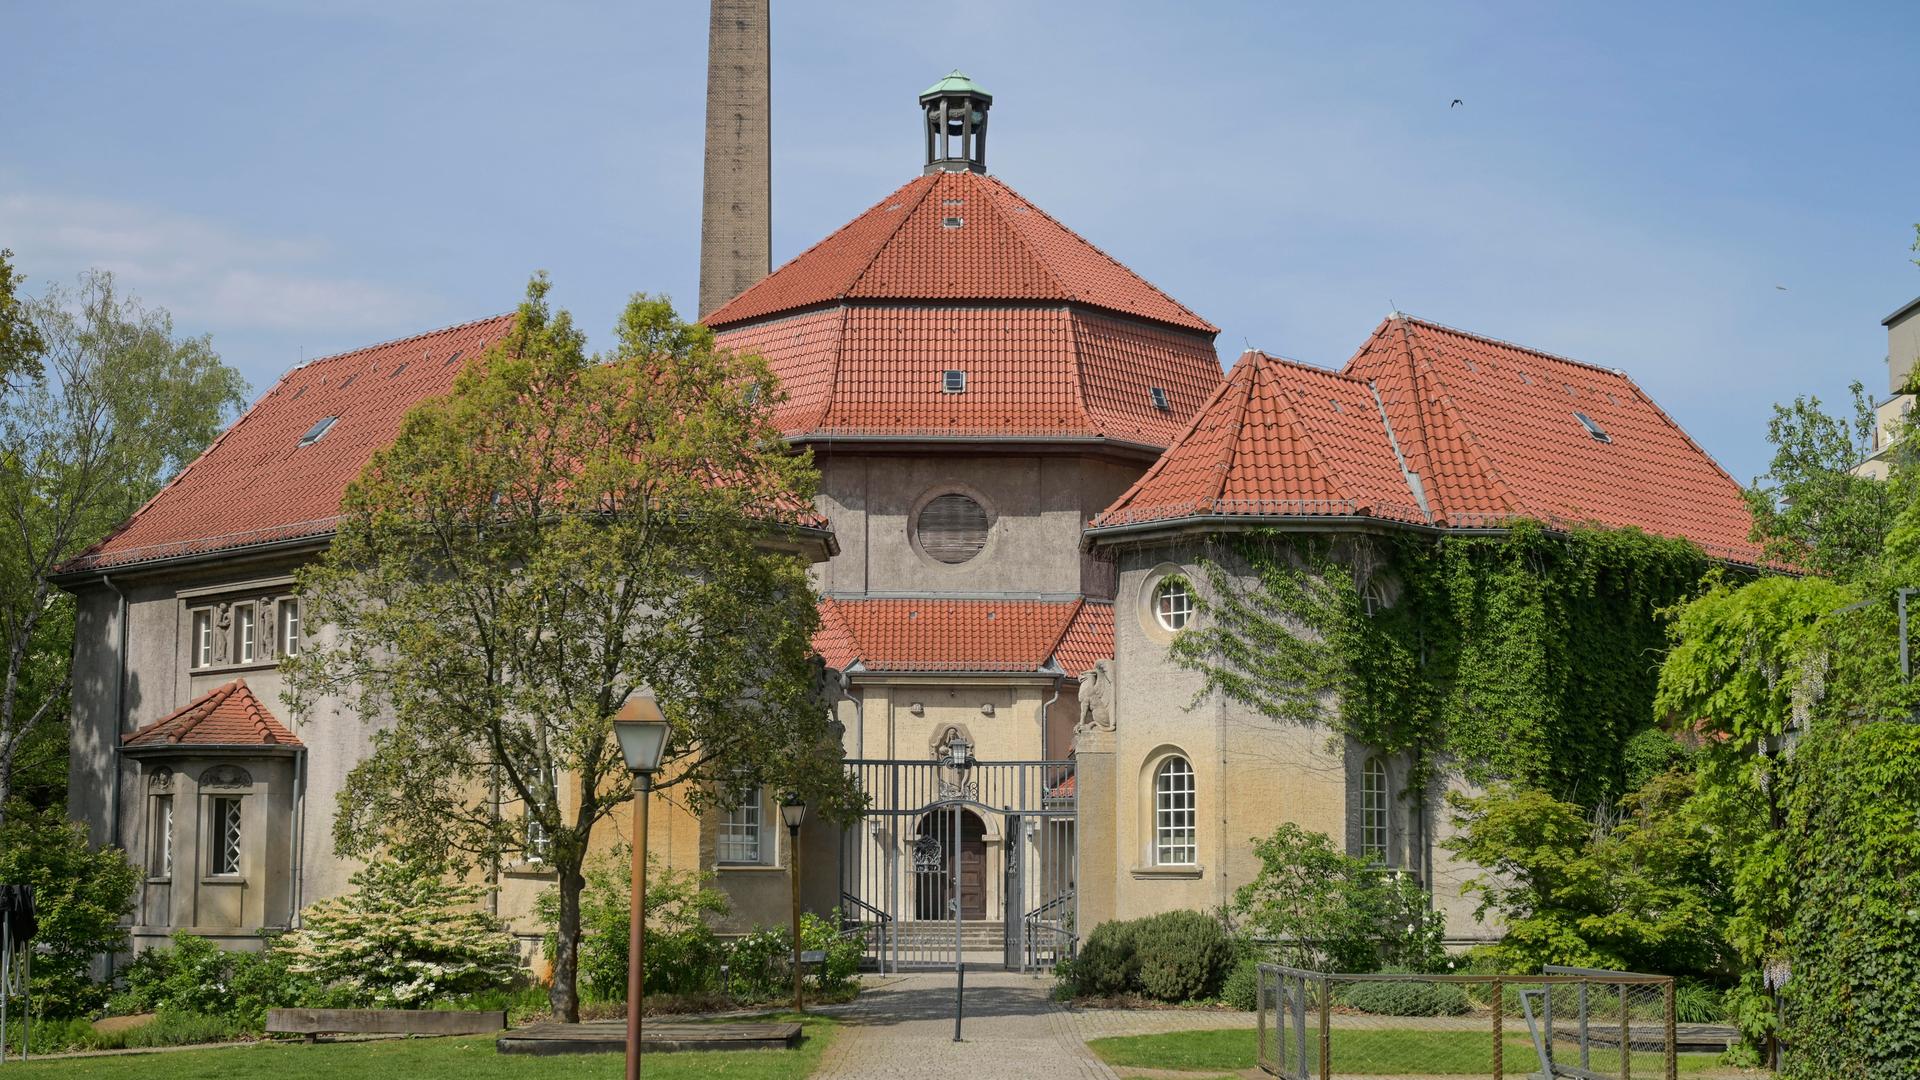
(82, 894)
(560, 532)
(100, 402)
(1326, 909)
(1810, 509)
(1644, 892)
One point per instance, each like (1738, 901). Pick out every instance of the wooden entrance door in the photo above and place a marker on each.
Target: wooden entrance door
(973, 866)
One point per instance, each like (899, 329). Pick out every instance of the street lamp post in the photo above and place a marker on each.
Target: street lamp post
(642, 731)
(793, 811)
(960, 759)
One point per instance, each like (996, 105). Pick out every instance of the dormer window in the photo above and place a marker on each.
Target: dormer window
(953, 381)
(1159, 395)
(318, 429)
(1593, 429)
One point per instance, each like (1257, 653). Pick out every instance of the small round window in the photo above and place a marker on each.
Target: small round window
(1172, 604)
(952, 528)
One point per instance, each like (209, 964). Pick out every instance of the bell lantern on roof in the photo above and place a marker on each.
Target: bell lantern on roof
(956, 125)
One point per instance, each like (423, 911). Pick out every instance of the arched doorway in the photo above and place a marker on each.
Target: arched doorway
(933, 866)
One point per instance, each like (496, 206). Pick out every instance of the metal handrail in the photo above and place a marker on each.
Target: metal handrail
(881, 919)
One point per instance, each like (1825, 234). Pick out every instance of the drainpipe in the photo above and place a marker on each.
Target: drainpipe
(859, 715)
(119, 710)
(1046, 711)
(299, 838)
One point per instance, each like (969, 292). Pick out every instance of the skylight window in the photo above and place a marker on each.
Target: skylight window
(952, 222)
(1159, 398)
(1593, 429)
(318, 429)
(953, 381)
(397, 371)
(451, 359)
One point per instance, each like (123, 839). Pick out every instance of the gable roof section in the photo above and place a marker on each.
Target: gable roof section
(1488, 430)
(941, 634)
(227, 715)
(955, 236)
(1277, 439)
(1492, 430)
(257, 484)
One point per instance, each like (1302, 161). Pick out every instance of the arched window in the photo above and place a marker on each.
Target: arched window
(1175, 814)
(1172, 604)
(1373, 598)
(1373, 811)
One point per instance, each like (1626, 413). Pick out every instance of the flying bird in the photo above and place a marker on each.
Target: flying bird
(1782, 288)
(1456, 103)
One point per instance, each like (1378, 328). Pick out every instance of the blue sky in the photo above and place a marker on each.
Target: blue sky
(1627, 184)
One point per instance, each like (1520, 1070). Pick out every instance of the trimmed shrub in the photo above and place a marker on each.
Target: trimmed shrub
(1405, 998)
(199, 978)
(1108, 964)
(1240, 989)
(1182, 956)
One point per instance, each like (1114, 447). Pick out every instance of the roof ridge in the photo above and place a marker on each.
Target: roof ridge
(1160, 463)
(1469, 438)
(1230, 449)
(302, 366)
(1102, 252)
(1305, 366)
(1504, 343)
(1304, 433)
(892, 234)
(998, 194)
(1066, 627)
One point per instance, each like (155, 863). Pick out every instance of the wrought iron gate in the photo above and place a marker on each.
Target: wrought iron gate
(973, 863)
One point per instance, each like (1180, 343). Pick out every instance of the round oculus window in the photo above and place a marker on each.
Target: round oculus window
(951, 528)
(1172, 605)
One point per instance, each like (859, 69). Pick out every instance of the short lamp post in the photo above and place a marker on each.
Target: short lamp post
(642, 731)
(793, 811)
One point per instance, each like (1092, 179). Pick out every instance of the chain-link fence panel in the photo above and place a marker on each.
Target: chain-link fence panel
(1581, 1023)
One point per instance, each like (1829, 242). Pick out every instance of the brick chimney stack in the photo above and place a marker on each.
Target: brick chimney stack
(736, 219)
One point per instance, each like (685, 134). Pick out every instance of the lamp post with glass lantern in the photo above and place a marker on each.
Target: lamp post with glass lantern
(960, 760)
(793, 811)
(643, 732)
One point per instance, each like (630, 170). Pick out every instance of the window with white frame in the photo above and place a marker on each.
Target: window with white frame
(539, 843)
(1172, 604)
(1175, 814)
(743, 832)
(289, 630)
(243, 636)
(202, 638)
(227, 835)
(160, 837)
(1373, 811)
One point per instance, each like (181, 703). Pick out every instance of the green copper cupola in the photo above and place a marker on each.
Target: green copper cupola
(956, 111)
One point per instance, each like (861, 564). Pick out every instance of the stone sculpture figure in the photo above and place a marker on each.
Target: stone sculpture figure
(1096, 697)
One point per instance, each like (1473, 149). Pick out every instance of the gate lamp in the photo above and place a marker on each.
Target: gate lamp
(642, 731)
(793, 811)
(960, 752)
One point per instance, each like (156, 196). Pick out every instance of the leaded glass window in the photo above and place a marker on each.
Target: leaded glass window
(1175, 814)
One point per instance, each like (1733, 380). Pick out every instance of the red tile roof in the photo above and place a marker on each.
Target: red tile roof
(941, 634)
(1056, 339)
(1277, 438)
(257, 484)
(1488, 429)
(955, 236)
(227, 715)
(1089, 638)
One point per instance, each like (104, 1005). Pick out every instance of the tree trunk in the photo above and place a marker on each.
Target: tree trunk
(563, 996)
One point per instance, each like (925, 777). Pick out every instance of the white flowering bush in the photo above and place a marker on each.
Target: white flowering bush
(403, 938)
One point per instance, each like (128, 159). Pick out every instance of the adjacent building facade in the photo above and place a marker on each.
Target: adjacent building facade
(1026, 451)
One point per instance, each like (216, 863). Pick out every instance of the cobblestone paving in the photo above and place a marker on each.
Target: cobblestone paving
(901, 1028)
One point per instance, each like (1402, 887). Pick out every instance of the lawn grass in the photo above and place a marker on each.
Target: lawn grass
(1364, 1051)
(432, 1059)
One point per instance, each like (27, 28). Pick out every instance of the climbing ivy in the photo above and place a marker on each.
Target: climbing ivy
(1527, 656)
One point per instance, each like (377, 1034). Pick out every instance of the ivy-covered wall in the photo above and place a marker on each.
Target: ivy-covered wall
(1527, 655)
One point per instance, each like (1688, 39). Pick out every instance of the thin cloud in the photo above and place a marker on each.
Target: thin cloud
(205, 273)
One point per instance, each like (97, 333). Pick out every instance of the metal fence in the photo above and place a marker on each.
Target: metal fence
(1564, 1022)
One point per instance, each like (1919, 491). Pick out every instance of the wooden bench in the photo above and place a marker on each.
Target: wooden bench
(314, 1023)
